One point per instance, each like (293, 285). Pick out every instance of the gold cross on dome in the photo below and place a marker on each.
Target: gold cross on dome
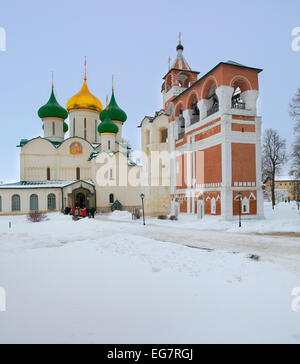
(180, 37)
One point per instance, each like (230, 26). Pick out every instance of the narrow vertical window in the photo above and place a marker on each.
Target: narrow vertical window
(84, 128)
(111, 174)
(34, 203)
(96, 124)
(74, 127)
(78, 173)
(111, 198)
(53, 128)
(109, 145)
(48, 174)
(0, 204)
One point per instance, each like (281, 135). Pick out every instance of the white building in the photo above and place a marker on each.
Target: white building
(82, 170)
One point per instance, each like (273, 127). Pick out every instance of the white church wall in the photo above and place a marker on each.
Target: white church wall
(42, 193)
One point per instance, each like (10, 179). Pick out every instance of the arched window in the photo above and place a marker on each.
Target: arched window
(214, 101)
(183, 80)
(51, 202)
(213, 206)
(168, 84)
(164, 135)
(237, 102)
(195, 112)
(245, 206)
(78, 173)
(16, 203)
(111, 198)
(181, 124)
(34, 203)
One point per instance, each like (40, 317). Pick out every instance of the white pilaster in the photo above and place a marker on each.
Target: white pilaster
(250, 98)
(224, 94)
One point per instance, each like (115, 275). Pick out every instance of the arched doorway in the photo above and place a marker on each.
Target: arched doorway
(80, 200)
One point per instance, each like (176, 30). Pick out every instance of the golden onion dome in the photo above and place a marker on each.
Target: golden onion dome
(84, 100)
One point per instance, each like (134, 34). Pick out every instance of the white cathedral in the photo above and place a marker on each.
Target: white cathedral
(58, 172)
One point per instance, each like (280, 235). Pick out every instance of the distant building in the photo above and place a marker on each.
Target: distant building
(286, 188)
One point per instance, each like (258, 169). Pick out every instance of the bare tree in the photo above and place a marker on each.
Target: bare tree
(296, 192)
(295, 115)
(274, 156)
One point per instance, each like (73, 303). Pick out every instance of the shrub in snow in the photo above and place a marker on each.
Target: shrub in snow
(36, 216)
(254, 257)
(173, 218)
(162, 217)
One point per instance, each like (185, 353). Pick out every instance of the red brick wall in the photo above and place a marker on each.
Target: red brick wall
(243, 163)
(213, 164)
(208, 202)
(183, 206)
(253, 202)
(181, 175)
(208, 133)
(246, 128)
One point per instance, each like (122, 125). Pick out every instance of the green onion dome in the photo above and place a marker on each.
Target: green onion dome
(114, 111)
(66, 127)
(107, 126)
(52, 109)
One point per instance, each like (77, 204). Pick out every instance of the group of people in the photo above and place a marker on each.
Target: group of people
(78, 212)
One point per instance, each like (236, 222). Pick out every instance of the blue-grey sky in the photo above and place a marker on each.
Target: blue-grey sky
(133, 40)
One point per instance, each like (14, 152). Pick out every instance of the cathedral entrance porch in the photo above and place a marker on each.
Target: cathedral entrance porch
(82, 198)
(81, 194)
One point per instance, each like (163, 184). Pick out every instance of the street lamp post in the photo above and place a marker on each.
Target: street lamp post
(240, 209)
(143, 197)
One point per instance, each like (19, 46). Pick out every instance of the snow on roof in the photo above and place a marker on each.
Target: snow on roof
(284, 178)
(46, 184)
(235, 63)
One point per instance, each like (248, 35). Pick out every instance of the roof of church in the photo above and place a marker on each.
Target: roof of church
(114, 111)
(107, 126)
(85, 100)
(52, 109)
(42, 184)
(228, 63)
(152, 118)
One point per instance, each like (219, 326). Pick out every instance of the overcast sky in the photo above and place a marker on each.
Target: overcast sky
(133, 40)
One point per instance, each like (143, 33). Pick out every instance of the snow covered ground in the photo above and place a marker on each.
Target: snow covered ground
(111, 280)
(284, 218)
